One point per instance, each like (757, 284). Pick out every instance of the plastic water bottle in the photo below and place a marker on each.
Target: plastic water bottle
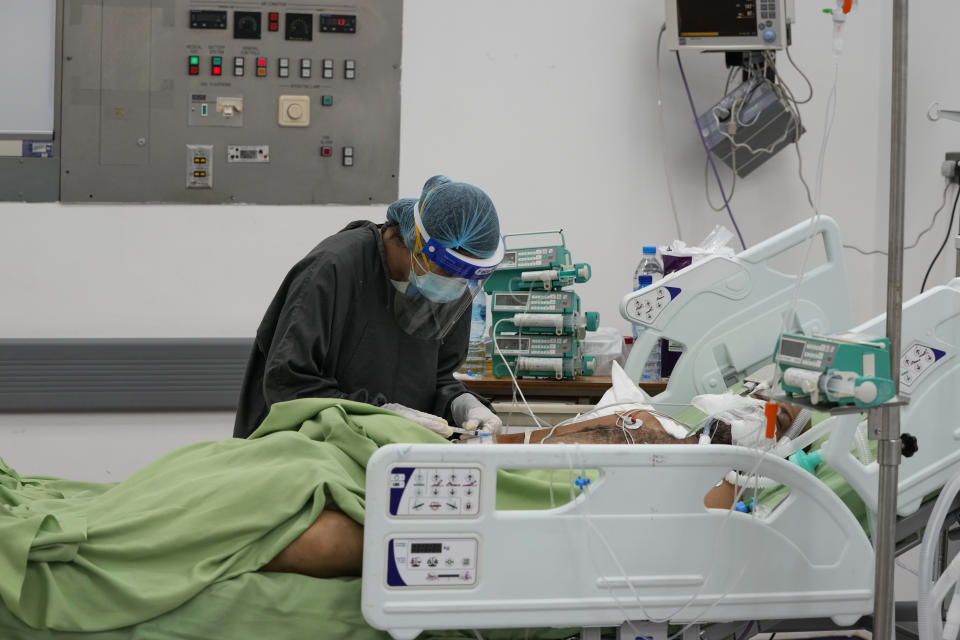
(475, 365)
(648, 271)
(650, 265)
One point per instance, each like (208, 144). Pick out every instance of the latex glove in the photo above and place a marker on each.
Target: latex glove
(427, 420)
(471, 414)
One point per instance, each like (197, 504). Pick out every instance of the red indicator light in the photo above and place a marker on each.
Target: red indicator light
(261, 62)
(274, 16)
(217, 70)
(325, 151)
(194, 70)
(274, 26)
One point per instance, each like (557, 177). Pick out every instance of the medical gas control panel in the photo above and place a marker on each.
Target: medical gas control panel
(648, 304)
(431, 562)
(435, 492)
(299, 103)
(534, 302)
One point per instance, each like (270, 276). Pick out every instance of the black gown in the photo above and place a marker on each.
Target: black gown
(330, 333)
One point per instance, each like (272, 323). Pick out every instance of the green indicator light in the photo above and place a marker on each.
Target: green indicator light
(216, 60)
(194, 60)
(327, 101)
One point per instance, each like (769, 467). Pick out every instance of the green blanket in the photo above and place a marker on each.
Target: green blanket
(88, 557)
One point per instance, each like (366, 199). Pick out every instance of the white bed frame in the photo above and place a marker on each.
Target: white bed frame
(551, 568)
(728, 312)
(684, 562)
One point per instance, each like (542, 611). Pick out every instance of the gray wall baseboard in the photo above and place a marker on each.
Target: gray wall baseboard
(60, 375)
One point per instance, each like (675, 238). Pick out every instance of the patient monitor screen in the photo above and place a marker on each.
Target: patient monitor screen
(716, 18)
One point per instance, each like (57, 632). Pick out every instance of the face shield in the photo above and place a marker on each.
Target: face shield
(442, 286)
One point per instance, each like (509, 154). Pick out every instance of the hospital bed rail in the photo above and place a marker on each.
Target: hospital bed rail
(728, 311)
(930, 378)
(552, 567)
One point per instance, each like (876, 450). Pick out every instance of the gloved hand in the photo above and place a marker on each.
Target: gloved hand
(469, 413)
(429, 421)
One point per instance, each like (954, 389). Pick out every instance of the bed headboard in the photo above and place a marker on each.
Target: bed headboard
(728, 312)
(930, 377)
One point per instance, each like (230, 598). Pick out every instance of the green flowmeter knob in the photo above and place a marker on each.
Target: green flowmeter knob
(593, 320)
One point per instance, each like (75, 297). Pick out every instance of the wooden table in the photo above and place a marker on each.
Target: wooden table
(581, 390)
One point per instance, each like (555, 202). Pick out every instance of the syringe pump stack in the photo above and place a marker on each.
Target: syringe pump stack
(537, 323)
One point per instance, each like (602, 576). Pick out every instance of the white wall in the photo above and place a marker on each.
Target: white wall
(554, 115)
(551, 109)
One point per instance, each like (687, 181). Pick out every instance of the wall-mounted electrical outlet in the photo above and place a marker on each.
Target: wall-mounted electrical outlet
(949, 167)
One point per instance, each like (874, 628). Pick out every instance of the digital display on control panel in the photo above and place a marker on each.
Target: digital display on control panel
(336, 23)
(716, 18)
(509, 260)
(426, 547)
(513, 344)
(791, 348)
(201, 19)
(512, 299)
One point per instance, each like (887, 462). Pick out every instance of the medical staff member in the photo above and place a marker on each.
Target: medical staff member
(377, 314)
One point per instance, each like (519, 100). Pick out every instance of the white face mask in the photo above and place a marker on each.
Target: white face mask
(400, 286)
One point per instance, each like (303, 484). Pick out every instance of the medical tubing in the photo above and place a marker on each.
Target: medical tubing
(953, 214)
(862, 442)
(945, 583)
(797, 425)
(516, 385)
(577, 505)
(952, 624)
(831, 108)
(785, 448)
(706, 149)
(928, 613)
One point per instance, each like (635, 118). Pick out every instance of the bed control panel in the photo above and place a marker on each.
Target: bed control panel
(647, 304)
(434, 492)
(431, 562)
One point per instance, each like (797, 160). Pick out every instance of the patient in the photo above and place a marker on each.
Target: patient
(333, 545)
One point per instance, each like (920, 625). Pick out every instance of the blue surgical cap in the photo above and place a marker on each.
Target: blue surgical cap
(458, 215)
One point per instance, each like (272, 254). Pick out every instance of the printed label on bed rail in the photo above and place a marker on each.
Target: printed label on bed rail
(432, 562)
(434, 492)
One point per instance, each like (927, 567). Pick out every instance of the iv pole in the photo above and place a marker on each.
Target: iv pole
(884, 421)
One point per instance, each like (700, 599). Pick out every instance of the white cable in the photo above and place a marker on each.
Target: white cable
(831, 108)
(497, 351)
(802, 75)
(663, 137)
(912, 245)
(713, 555)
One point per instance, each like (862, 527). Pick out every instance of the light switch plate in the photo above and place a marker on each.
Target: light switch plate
(294, 111)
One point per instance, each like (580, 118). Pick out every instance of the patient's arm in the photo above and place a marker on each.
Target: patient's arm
(606, 430)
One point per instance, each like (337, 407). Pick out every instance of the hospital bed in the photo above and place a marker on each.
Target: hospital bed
(279, 605)
(636, 542)
(727, 312)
